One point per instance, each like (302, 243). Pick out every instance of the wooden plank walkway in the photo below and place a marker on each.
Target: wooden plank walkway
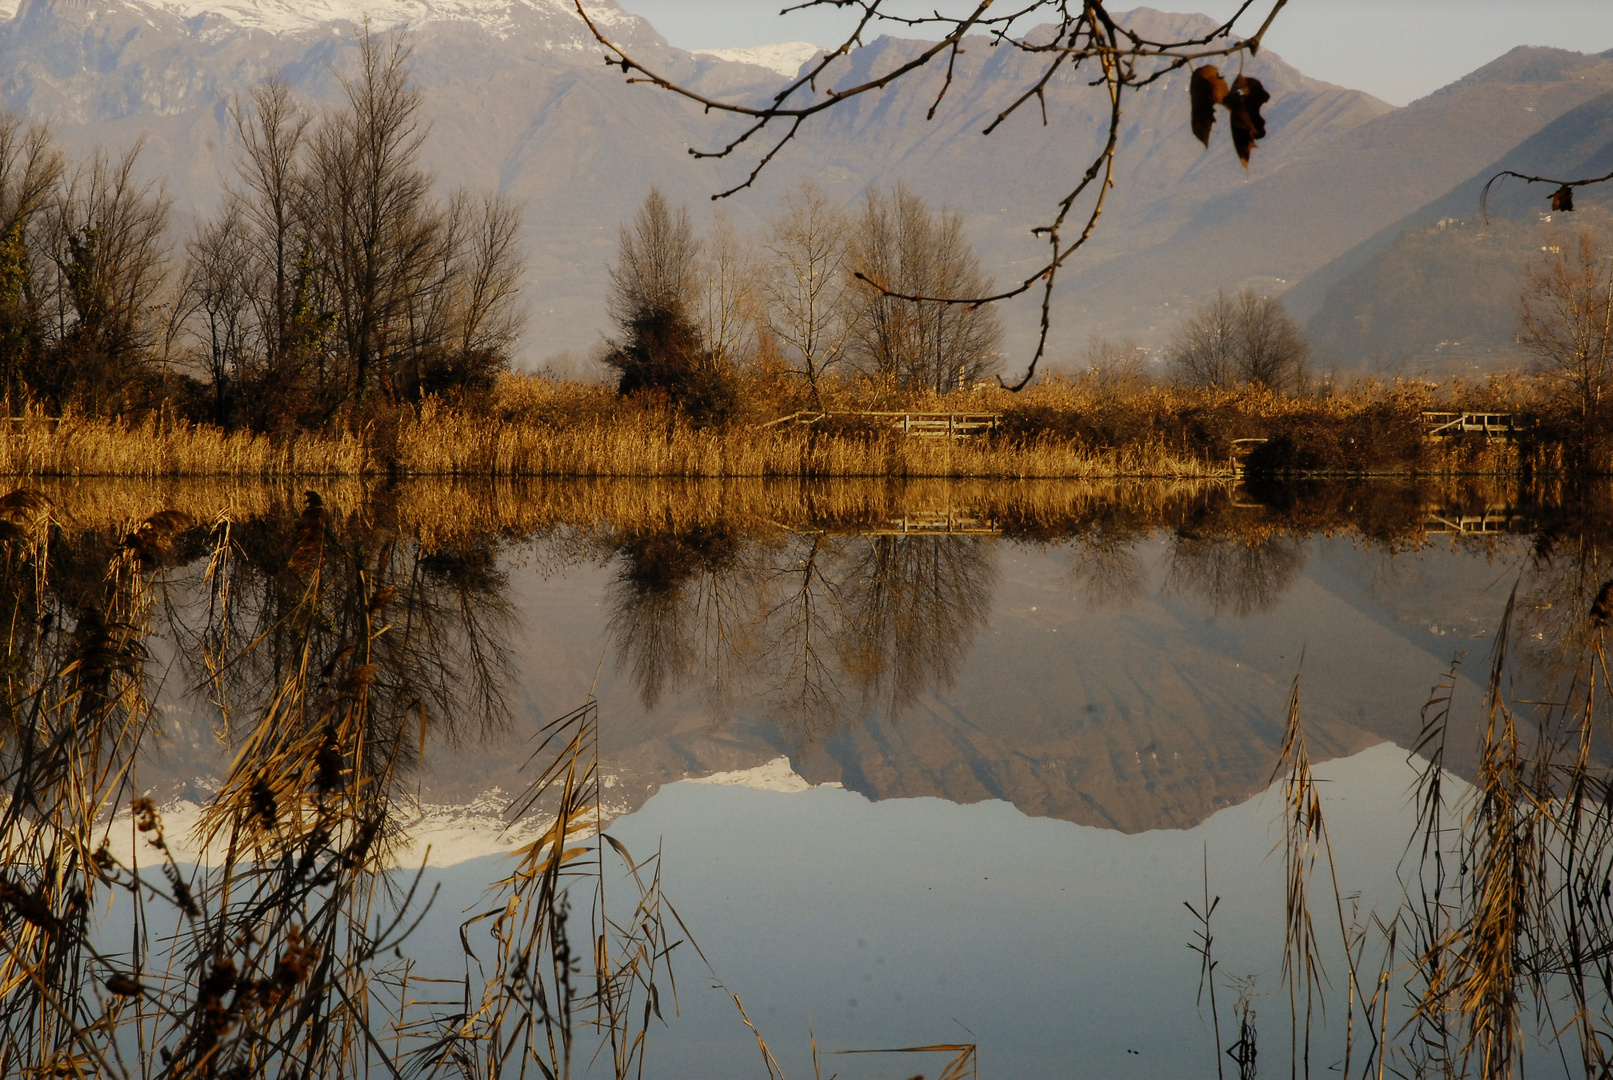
(1241, 449)
(922, 424)
(1495, 425)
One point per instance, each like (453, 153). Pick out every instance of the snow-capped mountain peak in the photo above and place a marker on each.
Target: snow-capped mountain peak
(786, 59)
(290, 16)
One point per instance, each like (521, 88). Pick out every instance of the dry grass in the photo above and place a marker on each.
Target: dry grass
(646, 443)
(534, 427)
(162, 447)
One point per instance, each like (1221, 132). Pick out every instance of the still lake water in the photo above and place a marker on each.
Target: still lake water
(943, 767)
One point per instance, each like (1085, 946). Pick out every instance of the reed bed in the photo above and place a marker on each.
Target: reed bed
(160, 446)
(1496, 959)
(529, 427)
(443, 442)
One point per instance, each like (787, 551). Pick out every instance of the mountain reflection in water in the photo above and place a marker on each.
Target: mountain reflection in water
(1117, 656)
(1112, 655)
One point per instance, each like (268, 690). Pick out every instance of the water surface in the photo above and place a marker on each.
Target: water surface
(932, 763)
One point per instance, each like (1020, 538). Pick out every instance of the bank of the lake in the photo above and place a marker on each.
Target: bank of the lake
(534, 427)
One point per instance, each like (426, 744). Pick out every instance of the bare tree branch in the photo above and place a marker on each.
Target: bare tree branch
(1562, 186)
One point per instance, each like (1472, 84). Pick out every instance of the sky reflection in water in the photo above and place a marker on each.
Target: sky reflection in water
(1075, 726)
(1017, 743)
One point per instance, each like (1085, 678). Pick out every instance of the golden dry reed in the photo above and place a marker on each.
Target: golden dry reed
(532, 427)
(160, 446)
(450, 443)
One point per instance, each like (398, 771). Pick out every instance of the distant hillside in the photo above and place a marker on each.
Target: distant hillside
(1437, 291)
(519, 100)
(1277, 229)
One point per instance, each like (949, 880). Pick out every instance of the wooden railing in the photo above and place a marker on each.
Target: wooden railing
(933, 424)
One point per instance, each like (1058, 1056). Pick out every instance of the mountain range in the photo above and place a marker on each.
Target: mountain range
(518, 100)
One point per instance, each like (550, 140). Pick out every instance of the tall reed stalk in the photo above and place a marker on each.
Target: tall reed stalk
(281, 955)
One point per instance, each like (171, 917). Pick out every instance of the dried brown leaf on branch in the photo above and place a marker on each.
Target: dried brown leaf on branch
(1206, 89)
(1248, 125)
(1562, 200)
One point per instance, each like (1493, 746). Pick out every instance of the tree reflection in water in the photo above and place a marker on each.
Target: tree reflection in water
(347, 597)
(912, 606)
(811, 623)
(1105, 567)
(334, 648)
(678, 607)
(338, 645)
(1245, 576)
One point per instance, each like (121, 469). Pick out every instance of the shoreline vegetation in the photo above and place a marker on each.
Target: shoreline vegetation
(532, 426)
(307, 333)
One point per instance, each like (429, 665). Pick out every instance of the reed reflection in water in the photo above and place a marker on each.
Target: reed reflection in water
(333, 647)
(339, 640)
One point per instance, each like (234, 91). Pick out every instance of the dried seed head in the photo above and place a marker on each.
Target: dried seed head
(328, 763)
(124, 985)
(361, 676)
(263, 803)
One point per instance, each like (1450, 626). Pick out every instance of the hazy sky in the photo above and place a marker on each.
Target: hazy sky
(1396, 49)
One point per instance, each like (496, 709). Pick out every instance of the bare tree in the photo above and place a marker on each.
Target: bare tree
(1241, 340)
(654, 299)
(106, 244)
(1081, 40)
(30, 175)
(272, 133)
(363, 283)
(813, 302)
(902, 250)
(1273, 350)
(1116, 366)
(463, 320)
(368, 211)
(218, 293)
(488, 282)
(657, 264)
(1203, 352)
(727, 297)
(1566, 322)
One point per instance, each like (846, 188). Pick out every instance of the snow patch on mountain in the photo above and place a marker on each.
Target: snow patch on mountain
(786, 59)
(290, 16)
